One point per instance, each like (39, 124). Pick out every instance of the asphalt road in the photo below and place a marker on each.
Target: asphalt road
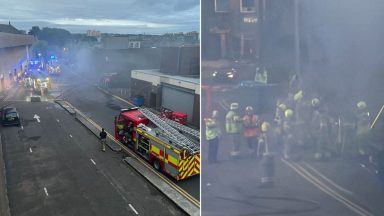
(55, 167)
(78, 88)
(342, 187)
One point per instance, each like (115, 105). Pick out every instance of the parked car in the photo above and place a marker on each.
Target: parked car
(10, 116)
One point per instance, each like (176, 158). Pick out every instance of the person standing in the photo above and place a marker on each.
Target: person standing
(212, 134)
(233, 127)
(103, 139)
(251, 124)
(288, 134)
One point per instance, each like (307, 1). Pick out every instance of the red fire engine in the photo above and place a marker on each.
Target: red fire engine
(169, 146)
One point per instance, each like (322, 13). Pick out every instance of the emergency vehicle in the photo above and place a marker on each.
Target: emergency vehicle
(169, 146)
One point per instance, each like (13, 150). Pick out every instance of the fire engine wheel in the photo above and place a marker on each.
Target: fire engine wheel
(156, 165)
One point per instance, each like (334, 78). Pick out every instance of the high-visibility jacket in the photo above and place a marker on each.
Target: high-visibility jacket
(251, 125)
(233, 122)
(211, 129)
(363, 126)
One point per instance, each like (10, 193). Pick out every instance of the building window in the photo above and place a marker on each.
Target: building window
(247, 6)
(221, 5)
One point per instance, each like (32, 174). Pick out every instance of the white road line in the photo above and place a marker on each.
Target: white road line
(133, 209)
(70, 135)
(30, 150)
(22, 128)
(46, 191)
(57, 120)
(323, 187)
(93, 162)
(327, 179)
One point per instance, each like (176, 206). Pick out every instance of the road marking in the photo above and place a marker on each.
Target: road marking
(37, 118)
(309, 177)
(133, 209)
(22, 128)
(143, 162)
(93, 161)
(117, 97)
(30, 150)
(57, 120)
(328, 180)
(70, 135)
(46, 191)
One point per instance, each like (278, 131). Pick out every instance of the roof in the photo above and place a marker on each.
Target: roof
(8, 28)
(156, 77)
(14, 40)
(135, 115)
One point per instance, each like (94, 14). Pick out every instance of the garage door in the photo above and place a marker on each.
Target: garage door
(178, 99)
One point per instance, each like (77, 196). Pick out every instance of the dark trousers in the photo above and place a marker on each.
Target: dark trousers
(213, 146)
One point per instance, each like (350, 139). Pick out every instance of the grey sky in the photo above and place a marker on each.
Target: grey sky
(112, 16)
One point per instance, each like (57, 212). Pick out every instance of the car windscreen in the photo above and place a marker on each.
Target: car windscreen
(11, 116)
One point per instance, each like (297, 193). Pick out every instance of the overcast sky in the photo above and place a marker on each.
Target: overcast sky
(109, 16)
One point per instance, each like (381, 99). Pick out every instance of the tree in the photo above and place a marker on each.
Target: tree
(54, 36)
(35, 31)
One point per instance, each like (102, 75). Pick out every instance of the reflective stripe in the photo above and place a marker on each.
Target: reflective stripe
(173, 160)
(155, 150)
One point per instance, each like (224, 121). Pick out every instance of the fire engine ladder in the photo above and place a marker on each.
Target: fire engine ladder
(175, 136)
(183, 128)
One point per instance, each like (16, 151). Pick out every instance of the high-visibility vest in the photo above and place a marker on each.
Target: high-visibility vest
(211, 129)
(233, 122)
(363, 126)
(251, 127)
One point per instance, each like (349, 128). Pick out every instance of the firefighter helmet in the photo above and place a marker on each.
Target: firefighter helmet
(315, 102)
(249, 109)
(265, 127)
(215, 114)
(298, 96)
(288, 113)
(282, 106)
(361, 105)
(234, 106)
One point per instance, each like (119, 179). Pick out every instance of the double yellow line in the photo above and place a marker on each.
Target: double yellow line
(326, 189)
(189, 197)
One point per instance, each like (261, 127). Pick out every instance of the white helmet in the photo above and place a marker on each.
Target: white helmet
(234, 106)
(215, 114)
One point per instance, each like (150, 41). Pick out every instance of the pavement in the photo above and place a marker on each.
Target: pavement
(54, 166)
(342, 187)
(78, 88)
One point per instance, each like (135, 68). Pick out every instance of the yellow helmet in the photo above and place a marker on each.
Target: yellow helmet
(282, 106)
(288, 113)
(361, 105)
(265, 127)
(298, 96)
(315, 102)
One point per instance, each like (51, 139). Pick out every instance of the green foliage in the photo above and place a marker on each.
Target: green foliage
(53, 36)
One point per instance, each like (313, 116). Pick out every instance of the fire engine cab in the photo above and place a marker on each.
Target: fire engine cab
(169, 146)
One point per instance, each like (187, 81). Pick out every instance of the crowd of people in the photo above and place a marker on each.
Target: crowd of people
(301, 127)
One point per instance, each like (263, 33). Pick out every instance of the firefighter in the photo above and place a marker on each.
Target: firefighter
(298, 100)
(128, 133)
(212, 134)
(288, 134)
(251, 129)
(233, 127)
(316, 127)
(103, 139)
(262, 147)
(279, 118)
(362, 129)
(120, 128)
